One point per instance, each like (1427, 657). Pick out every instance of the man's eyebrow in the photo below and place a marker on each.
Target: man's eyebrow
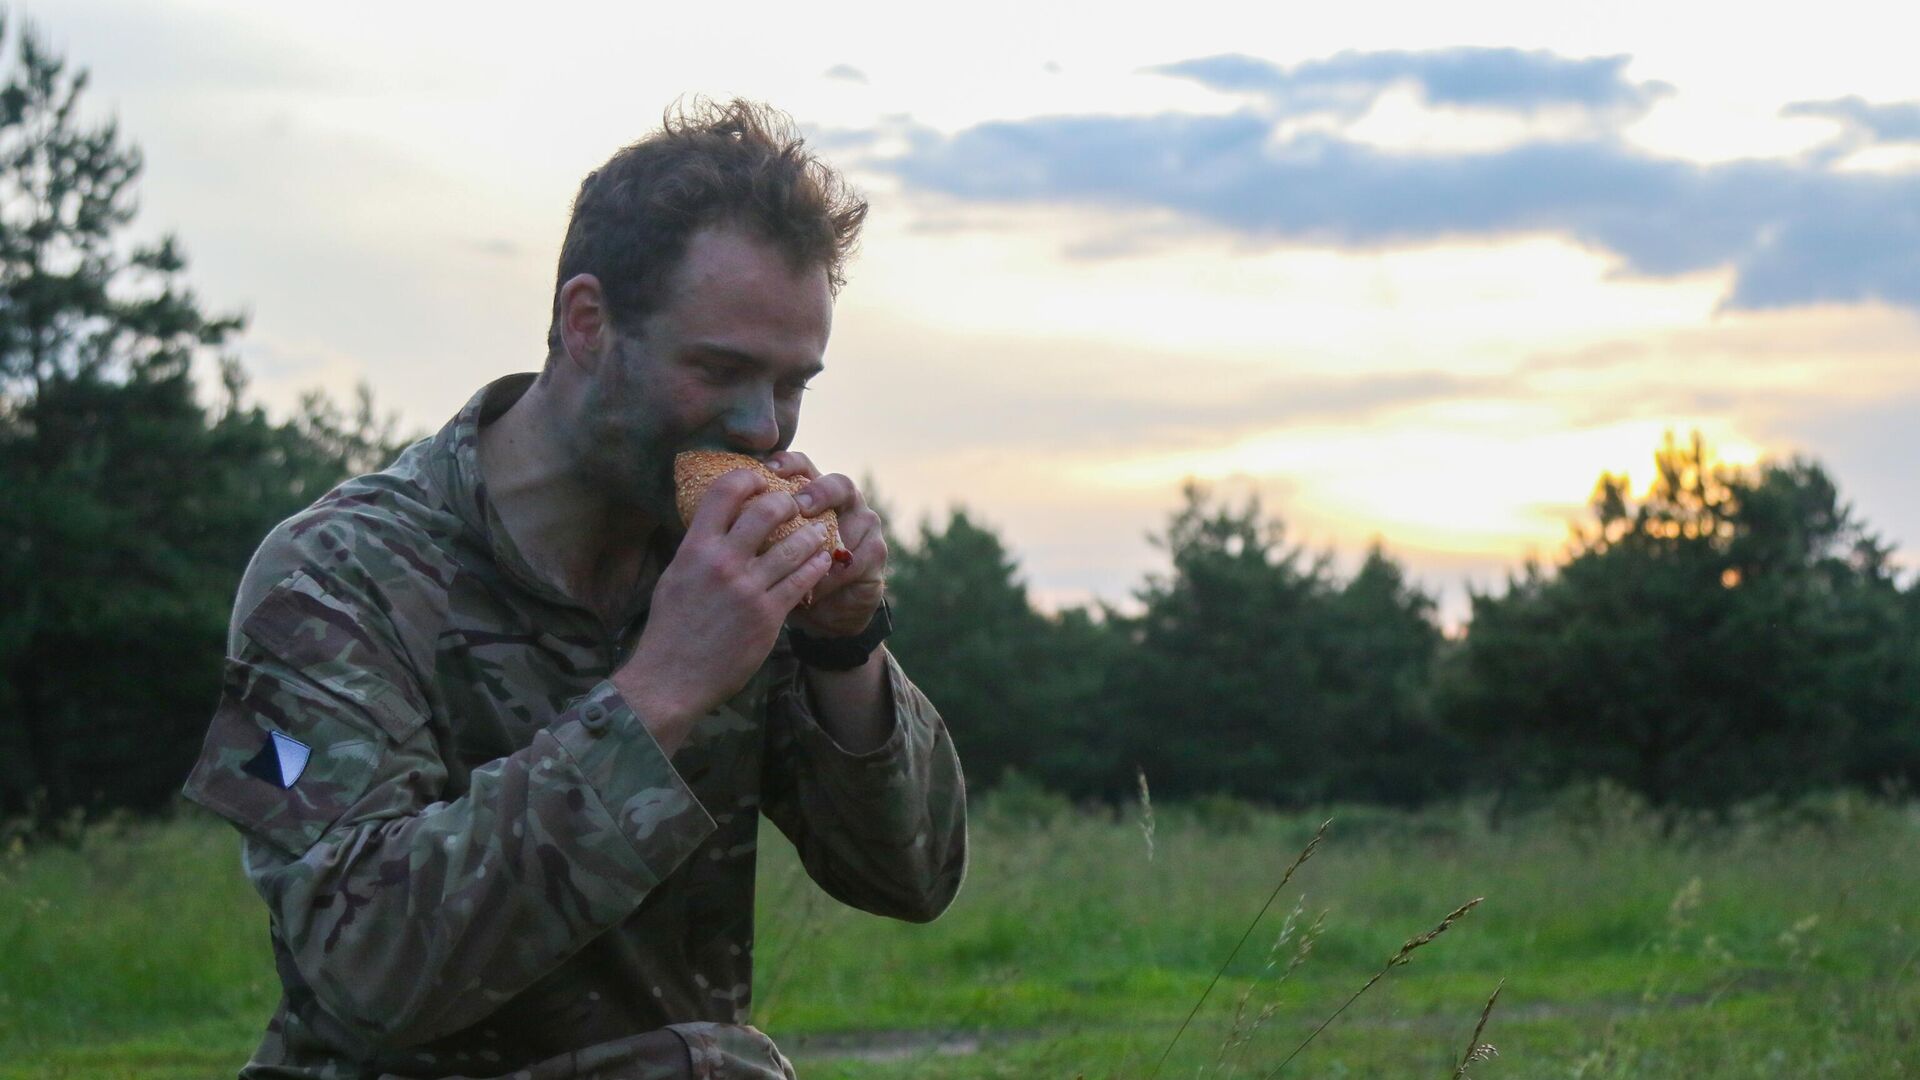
(749, 359)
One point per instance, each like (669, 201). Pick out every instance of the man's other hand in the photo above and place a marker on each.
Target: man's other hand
(720, 603)
(845, 601)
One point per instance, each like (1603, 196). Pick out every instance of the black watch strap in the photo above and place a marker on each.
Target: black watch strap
(842, 653)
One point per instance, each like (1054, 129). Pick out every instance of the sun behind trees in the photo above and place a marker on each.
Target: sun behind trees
(1735, 633)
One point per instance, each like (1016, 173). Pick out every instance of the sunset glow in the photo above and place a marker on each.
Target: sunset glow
(1419, 275)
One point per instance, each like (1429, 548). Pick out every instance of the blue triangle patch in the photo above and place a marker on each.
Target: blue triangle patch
(280, 761)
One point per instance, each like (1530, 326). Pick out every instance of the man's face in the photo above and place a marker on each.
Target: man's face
(721, 365)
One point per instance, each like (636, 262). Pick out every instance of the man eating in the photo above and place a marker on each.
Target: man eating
(497, 729)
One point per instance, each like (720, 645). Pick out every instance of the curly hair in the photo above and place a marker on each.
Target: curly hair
(740, 163)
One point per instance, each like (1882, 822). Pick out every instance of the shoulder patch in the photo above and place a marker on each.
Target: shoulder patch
(286, 788)
(280, 761)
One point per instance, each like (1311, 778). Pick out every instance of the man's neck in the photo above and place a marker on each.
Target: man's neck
(591, 550)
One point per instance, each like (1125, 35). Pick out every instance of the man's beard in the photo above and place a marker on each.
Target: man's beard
(632, 470)
(638, 477)
(624, 457)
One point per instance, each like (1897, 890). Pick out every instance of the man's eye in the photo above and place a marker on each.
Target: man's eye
(794, 389)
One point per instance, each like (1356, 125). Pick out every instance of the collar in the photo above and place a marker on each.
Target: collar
(458, 452)
(457, 449)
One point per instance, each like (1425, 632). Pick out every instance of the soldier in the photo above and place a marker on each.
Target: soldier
(497, 732)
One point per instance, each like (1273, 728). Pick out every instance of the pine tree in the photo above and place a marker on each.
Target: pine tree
(127, 512)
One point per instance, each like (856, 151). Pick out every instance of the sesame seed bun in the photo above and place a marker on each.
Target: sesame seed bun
(695, 470)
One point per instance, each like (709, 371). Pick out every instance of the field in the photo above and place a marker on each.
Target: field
(1778, 944)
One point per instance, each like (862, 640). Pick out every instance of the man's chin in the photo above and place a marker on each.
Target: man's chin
(647, 495)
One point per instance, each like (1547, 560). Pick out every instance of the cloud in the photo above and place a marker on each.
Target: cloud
(498, 247)
(1868, 448)
(1794, 231)
(1108, 398)
(846, 72)
(1504, 79)
(1865, 121)
(143, 50)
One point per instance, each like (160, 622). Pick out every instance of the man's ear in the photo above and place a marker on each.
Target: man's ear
(583, 320)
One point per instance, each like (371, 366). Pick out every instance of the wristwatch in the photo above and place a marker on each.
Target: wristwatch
(842, 653)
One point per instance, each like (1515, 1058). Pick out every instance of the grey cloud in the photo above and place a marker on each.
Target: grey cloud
(1888, 122)
(498, 247)
(846, 72)
(1097, 417)
(140, 48)
(1794, 231)
(1506, 79)
(1869, 449)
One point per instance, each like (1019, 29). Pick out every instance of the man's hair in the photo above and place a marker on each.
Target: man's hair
(738, 163)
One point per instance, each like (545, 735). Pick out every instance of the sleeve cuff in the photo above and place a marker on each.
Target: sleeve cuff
(887, 757)
(638, 786)
(879, 795)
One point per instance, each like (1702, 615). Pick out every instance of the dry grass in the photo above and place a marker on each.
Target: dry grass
(1241, 1030)
(1398, 959)
(1305, 854)
(1478, 1051)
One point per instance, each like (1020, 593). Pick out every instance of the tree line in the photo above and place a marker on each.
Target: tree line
(1731, 633)
(128, 506)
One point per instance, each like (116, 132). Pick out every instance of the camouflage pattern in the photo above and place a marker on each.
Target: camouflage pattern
(485, 866)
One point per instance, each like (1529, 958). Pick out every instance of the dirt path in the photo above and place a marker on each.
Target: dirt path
(906, 1044)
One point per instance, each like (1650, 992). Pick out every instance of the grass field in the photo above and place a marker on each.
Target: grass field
(1784, 944)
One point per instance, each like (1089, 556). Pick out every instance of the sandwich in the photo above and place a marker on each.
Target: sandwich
(695, 470)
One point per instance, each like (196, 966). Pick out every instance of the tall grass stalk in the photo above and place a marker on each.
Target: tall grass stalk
(1146, 812)
(1476, 1050)
(1305, 854)
(1242, 1033)
(1404, 956)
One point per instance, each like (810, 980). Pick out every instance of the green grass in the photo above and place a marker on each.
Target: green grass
(1783, 945)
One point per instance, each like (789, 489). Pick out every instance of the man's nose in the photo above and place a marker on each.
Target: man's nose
(751, 425)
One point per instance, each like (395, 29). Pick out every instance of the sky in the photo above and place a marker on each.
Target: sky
(1409, 273)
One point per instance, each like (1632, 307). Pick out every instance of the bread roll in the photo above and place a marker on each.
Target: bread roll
(694, 470)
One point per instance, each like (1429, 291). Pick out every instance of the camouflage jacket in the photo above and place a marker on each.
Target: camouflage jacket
(475, 858)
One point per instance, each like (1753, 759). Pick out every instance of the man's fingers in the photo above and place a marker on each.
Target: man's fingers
(867, 568)
(857, 527)
(790, 590)
(760, 518)
(790, 553)
(721, 505)
(791, 463)
(869, 551)
(868, 560)
(830, 492)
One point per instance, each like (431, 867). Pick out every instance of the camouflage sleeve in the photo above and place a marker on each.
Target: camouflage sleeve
(884, 831)
(407, 917)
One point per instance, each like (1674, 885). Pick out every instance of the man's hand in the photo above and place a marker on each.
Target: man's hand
(853, 705)
(718, 606)
(846, 600)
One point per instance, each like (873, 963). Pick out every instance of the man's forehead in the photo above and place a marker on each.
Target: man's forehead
(730, 257)
(734, 292)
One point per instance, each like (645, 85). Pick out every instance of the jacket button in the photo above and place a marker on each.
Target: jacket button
(594, 719)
